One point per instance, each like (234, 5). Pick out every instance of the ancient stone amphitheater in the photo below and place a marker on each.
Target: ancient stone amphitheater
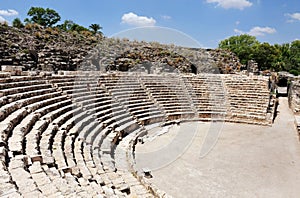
(74, 134)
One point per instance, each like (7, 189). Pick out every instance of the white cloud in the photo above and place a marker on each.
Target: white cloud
(238, 31)
(261, 31)
(135, 20)
(166, 17)
(237, 22)
(236, 4)
(293, 17)
(8, 12)
(257, 31)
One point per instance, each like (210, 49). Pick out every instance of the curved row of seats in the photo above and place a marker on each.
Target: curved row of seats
(73, 135)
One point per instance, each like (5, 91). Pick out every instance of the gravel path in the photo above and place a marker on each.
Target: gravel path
(247, 161)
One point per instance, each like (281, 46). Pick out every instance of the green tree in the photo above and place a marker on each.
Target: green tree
(69, 25)
(66, 26)
(17, 23)
(266, 56)
(241, 45)
(295, 54)
(285, 57)
(78, 28)
(283, 62)
(44, 17)
(95, 28)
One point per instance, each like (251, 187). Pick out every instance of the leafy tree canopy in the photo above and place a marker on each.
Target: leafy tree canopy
(285, 57)
(265, 55)
(295, 53)
(240, 45)
(44, 17)
(69, 25)
(17, 23)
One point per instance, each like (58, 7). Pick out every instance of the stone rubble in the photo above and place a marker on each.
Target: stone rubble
(48, 49)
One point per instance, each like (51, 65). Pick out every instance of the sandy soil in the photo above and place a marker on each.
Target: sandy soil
(247, 160)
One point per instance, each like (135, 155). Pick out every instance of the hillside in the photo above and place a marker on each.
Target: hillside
(50, 49)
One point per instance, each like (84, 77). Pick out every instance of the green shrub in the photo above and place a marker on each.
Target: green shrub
(294, 72)
(17, 23)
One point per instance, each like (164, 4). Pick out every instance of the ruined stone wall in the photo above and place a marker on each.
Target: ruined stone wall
(50, 49)
(47, 49)
(294, 96)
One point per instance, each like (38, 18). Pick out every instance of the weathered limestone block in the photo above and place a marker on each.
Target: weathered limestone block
(37, 158)
(4, 177)
(13, 70)
(5, 74)
(8, 190)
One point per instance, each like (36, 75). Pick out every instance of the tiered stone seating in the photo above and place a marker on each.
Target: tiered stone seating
(16, 140)
(23, 96)
(75, 86)
(94, 122)
(43, 181)
(73, 136)
(170, 94)
(238, 98)
(23, 170)
(208, 94)
(125, 156)
(15, 98)
(53, 146)
(62, 151)
(8, 188)
(29, 101)
(113, 175)
(24, 181)
(128, 91)
(248, 98)
(101, 133)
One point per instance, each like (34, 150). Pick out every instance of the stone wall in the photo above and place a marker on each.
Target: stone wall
(294, 97)
(38, 48)
(50, 49)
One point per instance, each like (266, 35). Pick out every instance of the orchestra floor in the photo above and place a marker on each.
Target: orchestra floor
(244, 161)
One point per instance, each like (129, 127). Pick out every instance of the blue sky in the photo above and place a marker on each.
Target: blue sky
(206, 21)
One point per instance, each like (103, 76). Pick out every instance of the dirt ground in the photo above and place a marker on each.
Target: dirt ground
(246, 161)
